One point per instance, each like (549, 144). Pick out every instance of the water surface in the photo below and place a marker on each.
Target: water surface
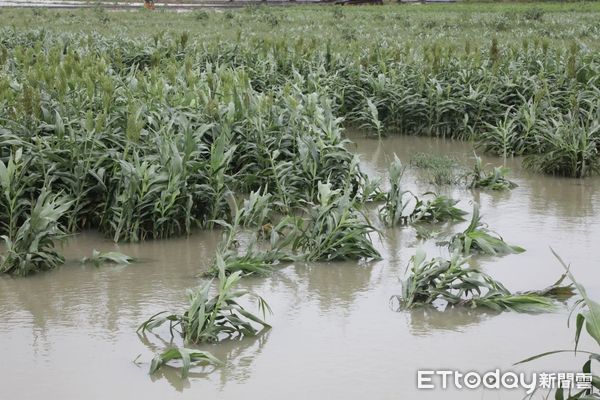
(70, 333)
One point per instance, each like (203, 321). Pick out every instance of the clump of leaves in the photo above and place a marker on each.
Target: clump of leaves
(496, 179)
(437, 209)
(534, 14)
(501, 138)
(477, 238)
(188, 358)
(253, 260)
(201, 15)
(335, 229)
(402, 207)
(450, 283)
(424, 232)
(588, 315)
(214, 318)
(31, 249)
(255, 210)
(440, 169)
(370, 190)
(111, 257)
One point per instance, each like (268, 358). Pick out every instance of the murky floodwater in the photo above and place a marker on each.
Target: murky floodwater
(70, 333)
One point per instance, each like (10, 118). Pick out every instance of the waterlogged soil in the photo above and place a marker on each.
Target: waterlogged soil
(70, 333)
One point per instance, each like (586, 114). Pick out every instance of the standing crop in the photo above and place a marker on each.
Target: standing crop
(31, 248)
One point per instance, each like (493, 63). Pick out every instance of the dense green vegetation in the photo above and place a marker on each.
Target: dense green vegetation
(150, 125)
(30, 247)
(148, 133)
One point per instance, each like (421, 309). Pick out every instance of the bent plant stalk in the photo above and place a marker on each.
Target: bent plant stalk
(477, 238)
(213, 318)
(452, 283)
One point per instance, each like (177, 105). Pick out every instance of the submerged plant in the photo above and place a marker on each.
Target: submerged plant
(252, 259)
(214, 318)
(31, 248)
(113, 257)
(371, 190)
(477, 238)
(438, 209)
(188, 358)
(402, 207)
(451, 283)
(494, 180)
(425, 232)
(335, 229)
(441, 170)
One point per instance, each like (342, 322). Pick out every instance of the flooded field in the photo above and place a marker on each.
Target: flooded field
(334, 333)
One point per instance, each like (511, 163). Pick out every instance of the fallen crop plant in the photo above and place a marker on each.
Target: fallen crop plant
(452, 282)
(213, 318)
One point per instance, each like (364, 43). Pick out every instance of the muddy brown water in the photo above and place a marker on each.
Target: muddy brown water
(70, 333)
